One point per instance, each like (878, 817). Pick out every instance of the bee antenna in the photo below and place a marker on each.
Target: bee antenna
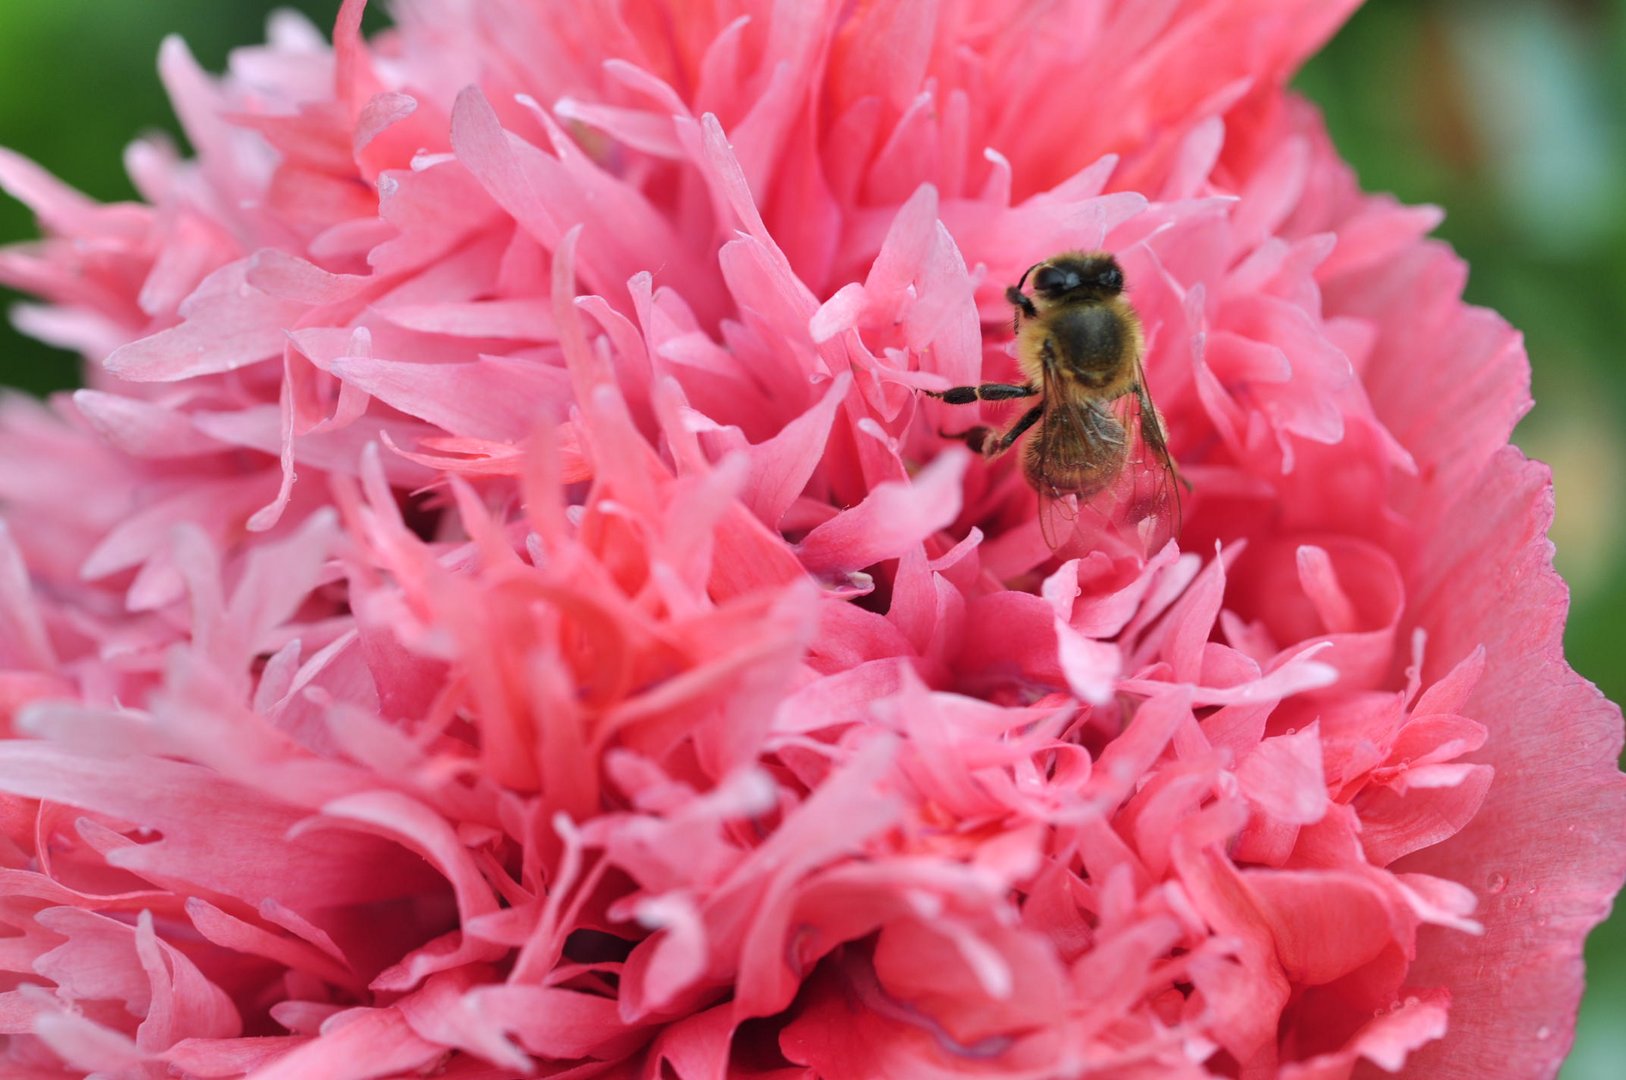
(1023, 280)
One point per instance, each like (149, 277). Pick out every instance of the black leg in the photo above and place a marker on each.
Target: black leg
(987, 442)
(1006, 440)
(991, 391)
(977, 438)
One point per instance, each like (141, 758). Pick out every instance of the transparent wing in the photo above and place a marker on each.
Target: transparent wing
(1077, 454)
(1145, 499)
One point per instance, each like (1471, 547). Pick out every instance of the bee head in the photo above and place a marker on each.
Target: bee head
(1076, 275)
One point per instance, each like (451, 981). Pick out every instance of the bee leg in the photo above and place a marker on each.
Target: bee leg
(1019, 300)
(977, 438)
(1007, 440)
(990, 391)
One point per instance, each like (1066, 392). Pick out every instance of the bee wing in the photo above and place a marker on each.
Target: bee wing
(1146, 495)
(1076, 453)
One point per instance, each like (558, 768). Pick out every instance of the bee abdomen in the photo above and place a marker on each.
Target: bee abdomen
(1084, 479)
(1084, 468)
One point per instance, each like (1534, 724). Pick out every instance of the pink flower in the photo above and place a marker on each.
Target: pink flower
(501, 605)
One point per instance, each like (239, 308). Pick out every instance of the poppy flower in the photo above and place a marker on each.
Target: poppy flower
(502, 605)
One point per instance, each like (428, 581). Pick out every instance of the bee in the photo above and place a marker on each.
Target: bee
(1096, 436)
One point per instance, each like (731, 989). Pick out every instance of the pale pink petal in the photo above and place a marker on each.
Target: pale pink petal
(24, 641)
(83, 1044)
(780, 467)
(1283, 776)
(896, 516)
(213, 812)
(356, 1045)
(227, 324)
(142, 428)
(494, 397)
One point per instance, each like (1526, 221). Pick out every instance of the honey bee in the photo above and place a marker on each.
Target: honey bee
(1097, 438)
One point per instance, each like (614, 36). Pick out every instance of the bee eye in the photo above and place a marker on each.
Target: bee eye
(1051, 279)
(1112, 278)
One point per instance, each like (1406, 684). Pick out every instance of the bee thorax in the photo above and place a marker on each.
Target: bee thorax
(1090, 341)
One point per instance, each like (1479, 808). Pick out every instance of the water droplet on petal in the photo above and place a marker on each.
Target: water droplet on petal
(1544, 1032)
(1496, 883)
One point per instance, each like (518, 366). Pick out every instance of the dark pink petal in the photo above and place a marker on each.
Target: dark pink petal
(1432, 805)
(244, 937)
(1536, 901)
(555, 1023)
(1387, 1042)
(1325, 925)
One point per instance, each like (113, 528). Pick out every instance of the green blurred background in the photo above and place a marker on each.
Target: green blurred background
(1507, 113)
